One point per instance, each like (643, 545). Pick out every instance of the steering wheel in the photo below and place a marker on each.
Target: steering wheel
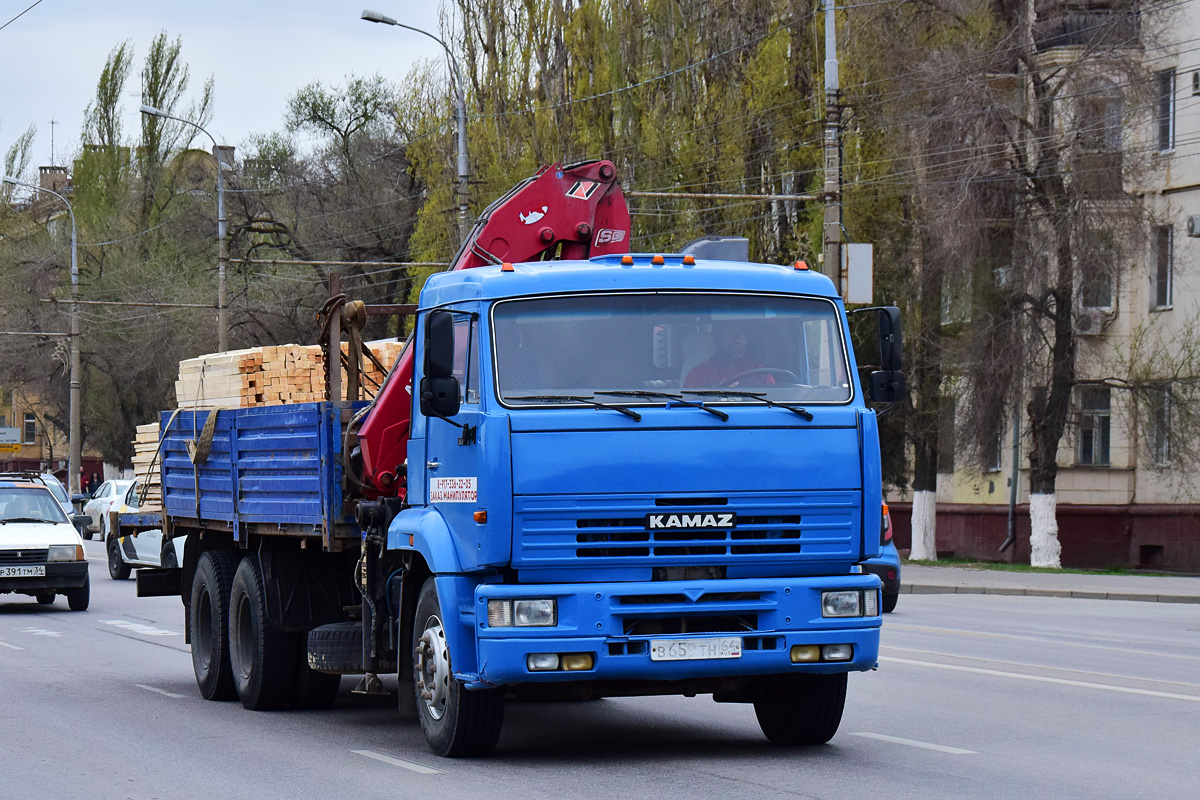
(791, 377)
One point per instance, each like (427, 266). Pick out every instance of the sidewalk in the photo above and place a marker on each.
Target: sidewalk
(920, 579)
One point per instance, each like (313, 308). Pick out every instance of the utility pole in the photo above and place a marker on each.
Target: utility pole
(832, 227)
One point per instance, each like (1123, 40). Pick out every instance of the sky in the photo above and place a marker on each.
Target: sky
(257, 51)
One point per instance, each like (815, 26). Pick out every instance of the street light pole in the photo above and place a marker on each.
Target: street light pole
(222, 242)
(74, 436)
(460, 110)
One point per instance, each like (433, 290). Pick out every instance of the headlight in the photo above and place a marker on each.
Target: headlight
(841, 604)
(522, 613)
(65, 552)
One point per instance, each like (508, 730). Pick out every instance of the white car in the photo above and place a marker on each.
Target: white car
(97, 508)
(142, 549)
(41, 553)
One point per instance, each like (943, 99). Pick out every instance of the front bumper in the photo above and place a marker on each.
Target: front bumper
(617, 624)
(60, 576)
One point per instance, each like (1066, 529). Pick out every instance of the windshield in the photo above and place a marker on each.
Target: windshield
(21, 504)
(56, 489)
(781, 348)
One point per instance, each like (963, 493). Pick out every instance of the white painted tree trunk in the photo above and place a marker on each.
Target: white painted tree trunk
(1044, 547)
(924, 526)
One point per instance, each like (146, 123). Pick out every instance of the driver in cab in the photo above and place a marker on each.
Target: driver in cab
(728, 361)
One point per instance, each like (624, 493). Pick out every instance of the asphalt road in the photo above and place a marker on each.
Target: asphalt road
(976, 696)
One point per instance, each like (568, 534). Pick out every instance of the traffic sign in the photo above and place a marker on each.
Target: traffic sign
(9, 447)
(10, 435)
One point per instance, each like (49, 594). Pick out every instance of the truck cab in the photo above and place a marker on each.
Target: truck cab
(635, 475)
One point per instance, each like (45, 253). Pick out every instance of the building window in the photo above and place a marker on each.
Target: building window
(1164, 109)
(1095, 425)
(1164, 244)
(1097, 260)
(30, 432)
(1160, 425)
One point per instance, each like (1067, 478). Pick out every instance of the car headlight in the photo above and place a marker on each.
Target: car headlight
(65, 552)
(841, 604)
(522, 613)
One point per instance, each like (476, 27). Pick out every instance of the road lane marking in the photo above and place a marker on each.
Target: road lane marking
(185, 649)
(11, 646)
(941, 748)
(396, 762)
(1043, 639)
(1043, 679)
(159, 691)
(137, 627)
(40, 632)
(1043, 666)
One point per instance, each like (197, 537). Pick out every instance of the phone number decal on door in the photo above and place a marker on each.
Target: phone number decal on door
(453, 490)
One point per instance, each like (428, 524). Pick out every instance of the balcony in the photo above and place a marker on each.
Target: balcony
(1094, 23)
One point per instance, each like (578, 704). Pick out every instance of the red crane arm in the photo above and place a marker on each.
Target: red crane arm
(580, 208)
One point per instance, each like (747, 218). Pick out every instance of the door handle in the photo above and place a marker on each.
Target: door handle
(432, 464)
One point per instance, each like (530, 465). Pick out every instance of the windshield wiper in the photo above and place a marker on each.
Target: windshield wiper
(798, 410)
(26, 519)
(675, 400)
(574, 398)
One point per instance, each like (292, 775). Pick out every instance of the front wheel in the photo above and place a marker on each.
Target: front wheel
(889, 602)
(456, 722)
(118, 570)
(801, 709)
(79, 598)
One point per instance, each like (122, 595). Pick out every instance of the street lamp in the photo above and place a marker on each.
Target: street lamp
(222, 242)
(75, 436)
(460, 110)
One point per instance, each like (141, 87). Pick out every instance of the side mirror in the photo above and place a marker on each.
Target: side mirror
(439, 388)
(887, 383)
(80, 498)
(80, 520)
(439, 345)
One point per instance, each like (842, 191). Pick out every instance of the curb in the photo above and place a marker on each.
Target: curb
(931, 588)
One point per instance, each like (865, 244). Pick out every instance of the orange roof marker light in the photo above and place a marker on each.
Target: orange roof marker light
(627, 261)
(507, 267)
(689, 260)
(658, 261)
(801, 265)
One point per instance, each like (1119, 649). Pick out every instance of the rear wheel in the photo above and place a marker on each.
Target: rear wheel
(45, 598)
(209, 610)
(456, 722)
(79, 598)
(118, 570)
(263, 657)
(801, 709)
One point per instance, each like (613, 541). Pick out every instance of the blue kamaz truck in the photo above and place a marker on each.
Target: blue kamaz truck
(621, 475)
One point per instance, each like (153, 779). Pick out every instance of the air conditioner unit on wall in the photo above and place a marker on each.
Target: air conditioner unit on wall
(1193, 226)
(1090, 322)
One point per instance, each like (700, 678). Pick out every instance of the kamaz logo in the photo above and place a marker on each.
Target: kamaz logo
(680, 521)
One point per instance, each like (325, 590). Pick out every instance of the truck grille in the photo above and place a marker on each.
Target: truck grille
(613, 531)
(10, 558)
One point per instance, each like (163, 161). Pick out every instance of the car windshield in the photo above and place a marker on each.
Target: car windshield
(785, 349)
(57, 490)
(29, 504)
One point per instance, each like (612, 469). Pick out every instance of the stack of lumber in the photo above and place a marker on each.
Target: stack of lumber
(146, 468)
(269, 376)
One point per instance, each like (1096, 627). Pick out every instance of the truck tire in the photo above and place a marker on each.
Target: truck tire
(118, 570)
(262, 656)
(208, 621)
(456, 723)
(336, 649)
(801, 709)
(79, 598)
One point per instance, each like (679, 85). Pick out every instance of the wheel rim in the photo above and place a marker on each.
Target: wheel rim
(432, 667)
(204, 630)
(243, 639)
